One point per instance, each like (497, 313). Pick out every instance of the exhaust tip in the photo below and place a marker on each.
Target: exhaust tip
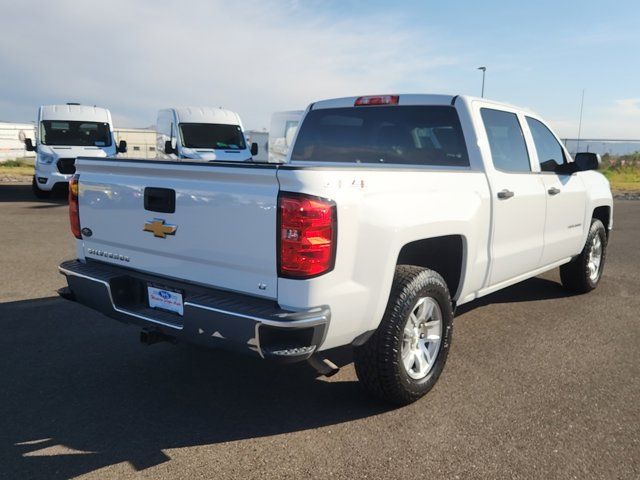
(323, 366)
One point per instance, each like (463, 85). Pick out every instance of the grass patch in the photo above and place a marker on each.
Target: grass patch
(625, 179)
(623, 172)
(18, 167)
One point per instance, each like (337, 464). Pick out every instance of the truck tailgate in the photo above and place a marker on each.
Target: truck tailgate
(224, 219)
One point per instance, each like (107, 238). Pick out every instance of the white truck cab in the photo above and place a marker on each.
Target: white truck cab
(201, 134)
(64, 132)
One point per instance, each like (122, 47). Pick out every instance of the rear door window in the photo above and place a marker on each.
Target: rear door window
(414, 135)
(508, 148)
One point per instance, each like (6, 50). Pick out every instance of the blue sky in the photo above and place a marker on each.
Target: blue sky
(257, 57)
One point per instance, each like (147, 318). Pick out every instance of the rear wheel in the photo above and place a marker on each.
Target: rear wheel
(36, 190)
(583, 273)
(403, 359)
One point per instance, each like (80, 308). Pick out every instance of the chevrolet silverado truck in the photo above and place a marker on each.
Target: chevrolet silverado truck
(387, 213)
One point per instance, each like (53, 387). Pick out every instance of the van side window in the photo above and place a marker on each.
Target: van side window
(550, 153)
(508, 148)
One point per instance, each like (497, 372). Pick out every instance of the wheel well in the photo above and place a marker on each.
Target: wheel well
(603, 214)
(442, 254)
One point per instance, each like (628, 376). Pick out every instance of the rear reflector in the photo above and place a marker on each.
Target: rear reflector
(377, 100)
(74, 208)
(307, 235)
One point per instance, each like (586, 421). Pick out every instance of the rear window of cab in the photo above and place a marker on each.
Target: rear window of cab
(394, 134)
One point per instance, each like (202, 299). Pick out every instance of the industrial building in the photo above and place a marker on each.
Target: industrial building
(141, 142)
(12, 137)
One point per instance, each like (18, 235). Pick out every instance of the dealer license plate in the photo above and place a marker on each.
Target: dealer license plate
(164, 299)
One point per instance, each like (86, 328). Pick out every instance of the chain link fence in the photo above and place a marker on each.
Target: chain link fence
(602, 146)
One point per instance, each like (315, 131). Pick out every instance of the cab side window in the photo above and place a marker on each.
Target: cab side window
(550, 153)
(506, 141)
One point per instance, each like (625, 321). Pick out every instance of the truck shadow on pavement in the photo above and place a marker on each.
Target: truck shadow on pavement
(20, 192)
(536, 288)
(81, 393)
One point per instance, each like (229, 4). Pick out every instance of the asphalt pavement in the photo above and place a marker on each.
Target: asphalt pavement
(539, 384)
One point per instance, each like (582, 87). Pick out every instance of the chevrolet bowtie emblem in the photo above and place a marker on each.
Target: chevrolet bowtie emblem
(159, 228)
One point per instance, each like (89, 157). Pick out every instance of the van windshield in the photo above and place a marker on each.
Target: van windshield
(212, 135)
(414, 135)
(75, 133)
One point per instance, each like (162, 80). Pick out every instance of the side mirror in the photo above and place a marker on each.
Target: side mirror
(254, 148)
(122, 147)
(28, 144)
(587, 161)
(168, 148)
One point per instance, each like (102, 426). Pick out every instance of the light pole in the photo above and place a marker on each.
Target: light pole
(484, 71)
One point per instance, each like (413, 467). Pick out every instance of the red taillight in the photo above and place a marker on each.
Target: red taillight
(377, 100)
(307, 236)
(74, 210)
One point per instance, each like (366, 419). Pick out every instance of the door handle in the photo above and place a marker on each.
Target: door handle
(553, 191)
(504, 194)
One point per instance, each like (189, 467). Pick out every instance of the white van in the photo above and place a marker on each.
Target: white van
(282, 131)
(261, 137)
(64, 132)
(201, 133)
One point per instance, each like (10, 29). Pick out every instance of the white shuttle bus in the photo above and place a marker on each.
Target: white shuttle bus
(202, 134)
(64, 132)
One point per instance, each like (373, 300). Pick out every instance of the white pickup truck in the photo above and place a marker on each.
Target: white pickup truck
(388, 212)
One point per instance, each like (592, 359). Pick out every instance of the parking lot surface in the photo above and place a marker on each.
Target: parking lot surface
(539, 384)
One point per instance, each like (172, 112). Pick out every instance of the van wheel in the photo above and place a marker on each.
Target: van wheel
(583, 273)
(42, 194)
(403, 359)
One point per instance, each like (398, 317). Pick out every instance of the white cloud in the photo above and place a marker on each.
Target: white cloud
(254, 57)
(628, 107)
(619, 119)
(564, 128)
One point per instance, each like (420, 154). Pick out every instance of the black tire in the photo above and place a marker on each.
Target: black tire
(41, 194)
(575, 275)
(378, 361)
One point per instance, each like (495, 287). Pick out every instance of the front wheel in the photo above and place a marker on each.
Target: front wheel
(583, 273)
(403, 359)
(41, 194)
